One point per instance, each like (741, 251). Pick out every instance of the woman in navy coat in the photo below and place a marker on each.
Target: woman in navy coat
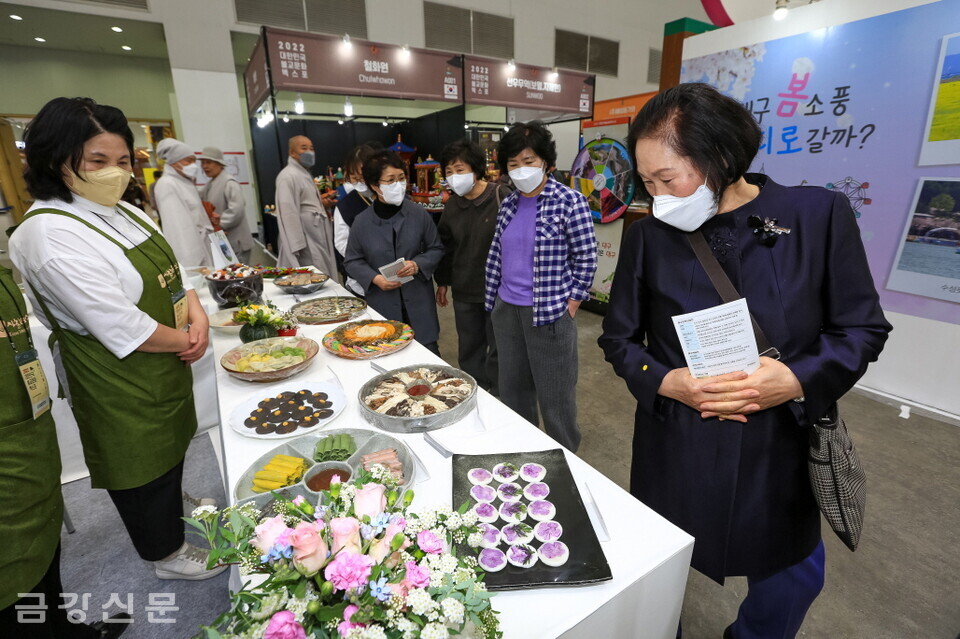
(724, 458)
(394, 227)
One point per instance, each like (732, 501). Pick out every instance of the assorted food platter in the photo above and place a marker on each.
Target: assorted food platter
(417, 398)
(536, 531)
(328, 310)
(301, 283)
(271, 359)
(288, 410)
(367, 339)
(369, 445)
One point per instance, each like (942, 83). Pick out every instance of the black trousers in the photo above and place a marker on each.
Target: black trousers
(152, 514)
(55, 624)
(477, 344)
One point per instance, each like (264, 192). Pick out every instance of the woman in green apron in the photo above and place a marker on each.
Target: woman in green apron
(31, 506)
(125, 323)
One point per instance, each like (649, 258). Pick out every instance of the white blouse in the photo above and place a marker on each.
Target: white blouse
(87, 282)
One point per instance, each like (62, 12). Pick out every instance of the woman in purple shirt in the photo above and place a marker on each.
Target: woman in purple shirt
(539, 270)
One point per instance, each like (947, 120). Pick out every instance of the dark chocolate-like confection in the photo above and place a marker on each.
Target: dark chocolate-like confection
(304, 393)
(300, 411)
(308, 422)
(253, 422)
(286, 396)
(286, 427)
(323, 405)
(266, 429)
(270, 403)
(324, 413)
(319, 396)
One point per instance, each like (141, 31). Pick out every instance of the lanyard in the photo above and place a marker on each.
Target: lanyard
(23, 314)
(140, 250)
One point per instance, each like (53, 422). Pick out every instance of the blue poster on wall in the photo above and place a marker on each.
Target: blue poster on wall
(871, 109)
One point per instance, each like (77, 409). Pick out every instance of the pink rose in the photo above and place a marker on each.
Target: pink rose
(369, 500)
(268, 533)
(345, 625)
(429, 542)
(348, 570)
(346, 534)
(380, 548)
(283, 626)
(416, 576)
(309, 548)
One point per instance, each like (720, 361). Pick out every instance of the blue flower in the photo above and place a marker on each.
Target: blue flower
(278, 552)
(380, 522)
(380, 589)
(366, 531)
(320, 512)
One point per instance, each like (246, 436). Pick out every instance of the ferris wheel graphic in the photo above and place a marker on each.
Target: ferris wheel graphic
(855, 191)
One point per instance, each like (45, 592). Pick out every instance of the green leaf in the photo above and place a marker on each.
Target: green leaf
(329, 613)
(300, 591)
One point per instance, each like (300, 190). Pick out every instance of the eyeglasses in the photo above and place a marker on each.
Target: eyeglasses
(390, 181)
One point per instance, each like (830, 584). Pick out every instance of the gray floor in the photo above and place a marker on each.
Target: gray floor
(903, 581)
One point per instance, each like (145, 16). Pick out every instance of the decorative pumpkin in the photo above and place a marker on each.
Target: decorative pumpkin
(250, 333)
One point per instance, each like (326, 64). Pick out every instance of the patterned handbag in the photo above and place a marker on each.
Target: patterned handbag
(837, 478)
(836, 475)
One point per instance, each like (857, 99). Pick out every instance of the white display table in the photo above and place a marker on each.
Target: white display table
(648, 556)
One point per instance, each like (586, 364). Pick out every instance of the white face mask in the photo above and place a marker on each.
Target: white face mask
(348, 187)
(393, 193)
(362, 187)
(527, 178)
(191, 171)
(686, 213)
(461, 183)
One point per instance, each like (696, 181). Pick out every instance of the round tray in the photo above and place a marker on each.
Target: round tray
(243, 410)
(425, 423)
(331, 341)
(308, 345)
(218, 322)
(301, 289)
(351, 307)
(367, 441)
(231, 293)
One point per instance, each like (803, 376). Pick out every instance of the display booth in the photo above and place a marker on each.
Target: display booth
(424, 98)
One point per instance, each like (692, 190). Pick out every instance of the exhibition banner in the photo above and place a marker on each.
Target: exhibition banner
(314, 63)
(870, 109)
(493, 82)
(256, 79)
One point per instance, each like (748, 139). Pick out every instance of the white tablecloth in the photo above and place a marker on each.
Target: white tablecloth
(649, 557)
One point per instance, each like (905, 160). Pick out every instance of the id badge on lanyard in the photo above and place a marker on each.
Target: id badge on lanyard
(181, 310)
(35, 381)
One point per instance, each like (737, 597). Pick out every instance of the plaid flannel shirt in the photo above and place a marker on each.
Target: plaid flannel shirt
(564, 253)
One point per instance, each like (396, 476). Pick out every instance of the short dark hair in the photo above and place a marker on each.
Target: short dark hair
(466, 151)
(717, 134)
(56, 137)
(533, 134)
(373, 168)
(357, 157)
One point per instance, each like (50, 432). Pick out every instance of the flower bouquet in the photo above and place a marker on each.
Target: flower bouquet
(289, 325)
(356, 564)
(259, 321)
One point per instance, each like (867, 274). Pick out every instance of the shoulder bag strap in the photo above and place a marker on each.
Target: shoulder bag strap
(728, 292)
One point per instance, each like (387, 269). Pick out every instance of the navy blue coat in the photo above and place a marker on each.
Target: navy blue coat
(410, 234)
(742, 490)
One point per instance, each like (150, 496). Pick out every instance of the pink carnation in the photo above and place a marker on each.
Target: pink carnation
(345, 625)
(416, 576)
(348, 570)
(283, 626)
(268, 533)
(429, 542)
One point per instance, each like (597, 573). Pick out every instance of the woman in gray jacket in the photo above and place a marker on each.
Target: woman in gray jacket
(396, 228)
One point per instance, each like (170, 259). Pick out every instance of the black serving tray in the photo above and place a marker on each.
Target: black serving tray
(587, 563)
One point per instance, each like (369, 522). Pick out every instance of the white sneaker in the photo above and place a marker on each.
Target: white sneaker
(192, 503)
(189, 563)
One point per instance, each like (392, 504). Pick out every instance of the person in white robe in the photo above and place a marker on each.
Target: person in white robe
(184, 220)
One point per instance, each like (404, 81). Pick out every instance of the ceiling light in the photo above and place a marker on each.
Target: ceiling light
(40, 39)
(298, 104)
(346, 41)
(405, 52)
(385, 123)
(512, 64)
(285, 118)
(127, 48)
(553, 75)
(466, 125)
(348, 108)
(340, 121)
(14, 16)
(782, 10)
(116, 29)
(506, 127)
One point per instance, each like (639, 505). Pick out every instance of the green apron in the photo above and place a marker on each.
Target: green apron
(136, 415)
(31, 505)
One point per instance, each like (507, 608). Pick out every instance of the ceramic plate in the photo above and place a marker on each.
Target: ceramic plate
(335, 396)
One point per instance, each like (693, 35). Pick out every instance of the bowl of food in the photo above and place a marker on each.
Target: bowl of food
(271, 359)
(301, 283)
(418, 398)
(222, 321)
(235, 285)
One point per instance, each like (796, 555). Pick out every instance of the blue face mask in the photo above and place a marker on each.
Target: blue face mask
(307, 159)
